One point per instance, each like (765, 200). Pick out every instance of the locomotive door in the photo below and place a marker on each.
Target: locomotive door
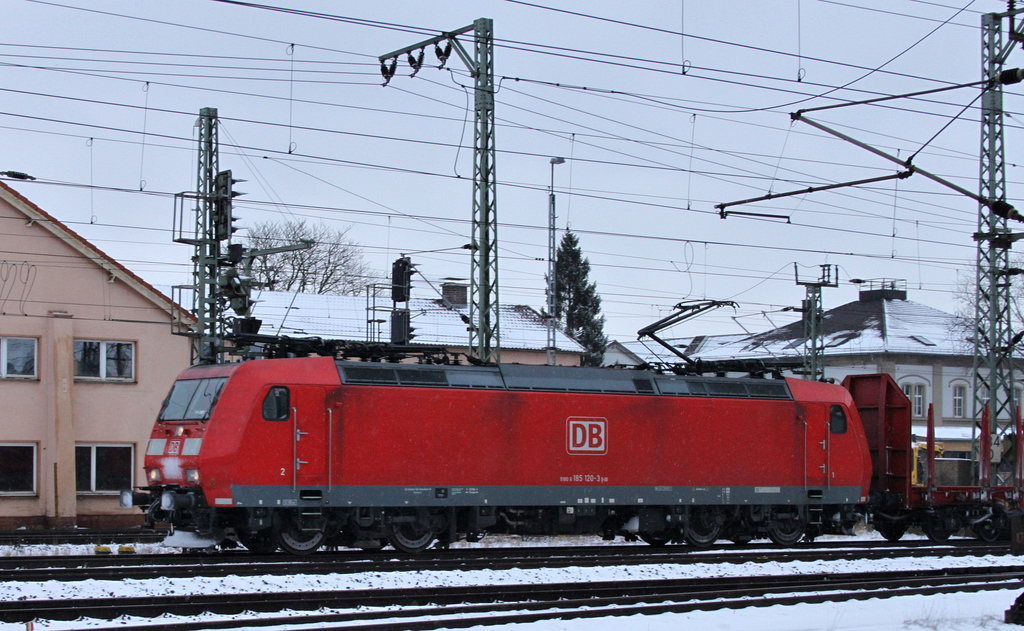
(816, 445)
(310, 435)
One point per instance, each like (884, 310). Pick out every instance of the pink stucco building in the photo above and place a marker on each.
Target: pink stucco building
(87, 355)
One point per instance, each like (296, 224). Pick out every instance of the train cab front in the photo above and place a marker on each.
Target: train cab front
(174, 464)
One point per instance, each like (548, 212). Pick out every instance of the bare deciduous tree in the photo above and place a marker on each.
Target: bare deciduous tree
(333, 265)
(965, 298)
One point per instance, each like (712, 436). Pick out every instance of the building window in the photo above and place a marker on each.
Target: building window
(103, 468)
(106, 361)
(915, 392)
(959, 401)
(18, 357)
(17, 469)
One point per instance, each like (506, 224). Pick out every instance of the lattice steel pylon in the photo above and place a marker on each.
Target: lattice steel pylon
(993, 370)
(484, 331)
(206, 262)
(813, 313)
(221, 271)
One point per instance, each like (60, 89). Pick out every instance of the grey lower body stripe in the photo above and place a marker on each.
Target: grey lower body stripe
(445, 496)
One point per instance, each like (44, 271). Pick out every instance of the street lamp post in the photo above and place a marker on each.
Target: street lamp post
(551, 264)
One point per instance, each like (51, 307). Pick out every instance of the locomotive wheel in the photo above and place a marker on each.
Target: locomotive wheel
(703, 527)
(295, 541)
(891, 530)
(785, 531)
(656, 539)
(411, 537)
(258, 542)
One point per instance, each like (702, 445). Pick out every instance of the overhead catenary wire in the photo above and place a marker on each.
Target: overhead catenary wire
(756, 173)
(650, 237)
(731, 175)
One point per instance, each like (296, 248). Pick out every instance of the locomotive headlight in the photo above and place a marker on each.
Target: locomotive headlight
(153, 475)
(192, 476)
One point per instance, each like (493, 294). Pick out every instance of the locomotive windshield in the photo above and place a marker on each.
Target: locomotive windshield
(192, 399)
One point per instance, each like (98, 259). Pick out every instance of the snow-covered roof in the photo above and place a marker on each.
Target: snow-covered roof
(358, 318)
(878, 325)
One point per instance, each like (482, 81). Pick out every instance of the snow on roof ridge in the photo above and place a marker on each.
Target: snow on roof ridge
(356, 317)
(857, 327)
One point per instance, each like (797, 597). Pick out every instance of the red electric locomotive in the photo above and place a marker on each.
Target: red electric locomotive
(297, 453)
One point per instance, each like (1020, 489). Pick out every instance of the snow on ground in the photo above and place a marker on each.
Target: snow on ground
(965, 612)
(15, 590)
(76, 549)
(912, 613)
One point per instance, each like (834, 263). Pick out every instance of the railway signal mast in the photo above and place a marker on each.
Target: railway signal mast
(221, 270)
(484, 335)
(208, 309)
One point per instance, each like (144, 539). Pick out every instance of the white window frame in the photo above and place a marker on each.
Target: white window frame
(959, 407)
(916, 391)
(35, 471)
(103, 361)
(3, 357)
(92, 468)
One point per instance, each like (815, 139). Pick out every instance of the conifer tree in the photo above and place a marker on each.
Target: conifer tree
(577, 303)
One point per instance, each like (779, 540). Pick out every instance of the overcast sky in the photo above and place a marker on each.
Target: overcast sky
(662, 109)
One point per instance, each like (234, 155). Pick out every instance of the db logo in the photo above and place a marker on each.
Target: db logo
(586, 436)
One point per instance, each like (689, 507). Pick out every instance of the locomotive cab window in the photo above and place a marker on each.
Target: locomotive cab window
(192, 399)
(277, 404)
(837, 420)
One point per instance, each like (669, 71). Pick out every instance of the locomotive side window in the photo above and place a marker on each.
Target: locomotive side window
(192, 399)
(837, 420)
(277, 404)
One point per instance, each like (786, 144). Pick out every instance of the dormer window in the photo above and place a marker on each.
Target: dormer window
(923, 340)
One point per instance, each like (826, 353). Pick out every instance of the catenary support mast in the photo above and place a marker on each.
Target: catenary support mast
(994, 341)
(814, 366)
(484, 334)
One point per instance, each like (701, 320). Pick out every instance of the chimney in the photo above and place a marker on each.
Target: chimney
(455, 294)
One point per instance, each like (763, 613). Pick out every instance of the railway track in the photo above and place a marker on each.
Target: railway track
(430, 608)
(81, 536)
(119, 567)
